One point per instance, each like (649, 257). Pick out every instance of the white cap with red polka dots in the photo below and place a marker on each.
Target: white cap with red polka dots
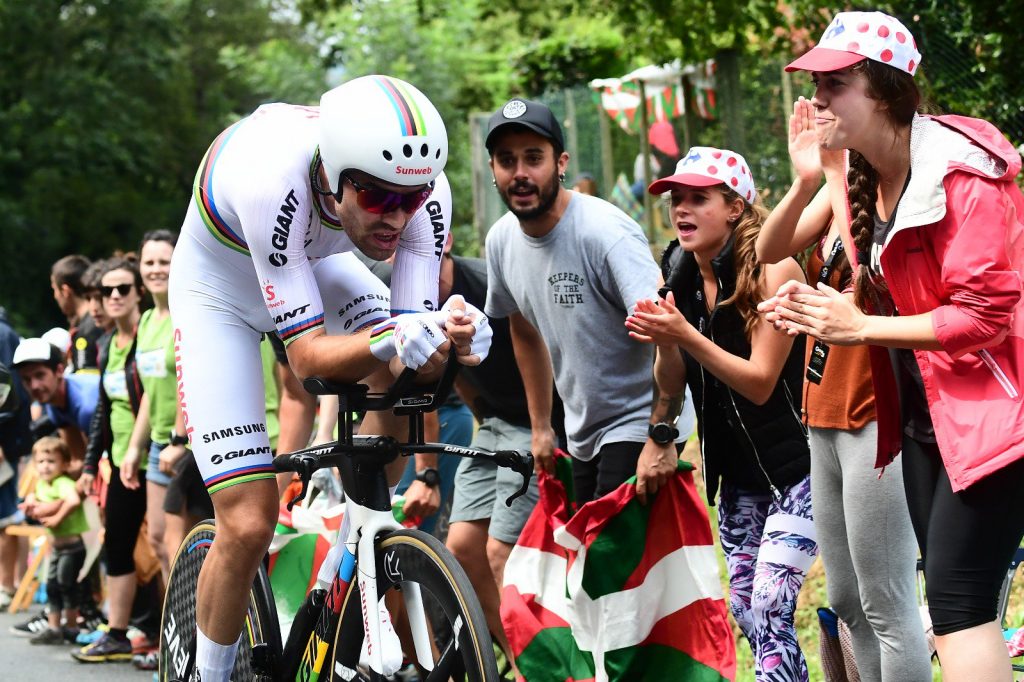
(855, 36)
(707, 166)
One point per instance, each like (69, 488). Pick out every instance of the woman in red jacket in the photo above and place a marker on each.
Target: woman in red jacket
(935, 225)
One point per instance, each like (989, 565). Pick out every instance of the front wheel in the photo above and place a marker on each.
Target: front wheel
(462, 648)
(260, 644)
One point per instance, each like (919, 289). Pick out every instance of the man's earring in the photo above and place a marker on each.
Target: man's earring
(494, 181)
(561, 177)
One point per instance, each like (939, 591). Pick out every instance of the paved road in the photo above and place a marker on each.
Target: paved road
(23, 662)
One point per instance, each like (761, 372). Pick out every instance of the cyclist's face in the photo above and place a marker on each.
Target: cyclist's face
(526, 172)
(375, 234)
(155, 265)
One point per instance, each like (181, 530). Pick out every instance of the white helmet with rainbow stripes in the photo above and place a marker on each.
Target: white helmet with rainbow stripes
(382, 126)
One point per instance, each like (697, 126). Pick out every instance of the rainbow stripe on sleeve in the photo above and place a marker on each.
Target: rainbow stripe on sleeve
(202, 189)
(227, 479)
(294, 331)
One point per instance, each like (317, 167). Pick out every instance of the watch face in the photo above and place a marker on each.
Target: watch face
(661, 433)
(429, 476)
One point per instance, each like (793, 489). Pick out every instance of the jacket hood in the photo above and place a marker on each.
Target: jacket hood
(940, 145)
(988, 138)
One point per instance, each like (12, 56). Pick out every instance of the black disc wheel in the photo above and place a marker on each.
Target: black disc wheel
(462, 649)
(260, 644)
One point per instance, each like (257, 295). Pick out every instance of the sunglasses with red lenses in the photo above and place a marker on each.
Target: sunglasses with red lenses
(380, 201)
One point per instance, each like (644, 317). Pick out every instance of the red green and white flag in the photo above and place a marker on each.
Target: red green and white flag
(301, 541)
(617, 591)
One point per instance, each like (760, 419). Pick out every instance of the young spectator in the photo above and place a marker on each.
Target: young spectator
(159, 419)
(120, 396)
(565, 268)
(746, 381)
(864, 531)
(69, 293)
(936, 229)
(56, 504)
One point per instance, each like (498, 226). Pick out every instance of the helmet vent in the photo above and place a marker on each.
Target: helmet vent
(407, 150)
(424, 150)
(387, 155)
(437, 154)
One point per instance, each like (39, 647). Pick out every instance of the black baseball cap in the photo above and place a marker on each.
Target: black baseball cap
(530, 114)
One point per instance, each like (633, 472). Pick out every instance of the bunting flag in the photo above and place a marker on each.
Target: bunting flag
(302, 539)
(621, 101)
(622, 196)
(703, 79)
(618, 591)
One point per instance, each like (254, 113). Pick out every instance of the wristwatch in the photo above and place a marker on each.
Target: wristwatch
(178, 440)
(430, 476)
(662, 433)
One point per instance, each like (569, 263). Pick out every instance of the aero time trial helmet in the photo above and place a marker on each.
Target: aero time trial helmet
(382, 126)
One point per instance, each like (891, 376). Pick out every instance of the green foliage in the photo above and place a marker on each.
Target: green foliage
(583, 48)
(105, 110)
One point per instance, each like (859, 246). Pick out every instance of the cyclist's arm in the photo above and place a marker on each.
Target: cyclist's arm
(418, 257)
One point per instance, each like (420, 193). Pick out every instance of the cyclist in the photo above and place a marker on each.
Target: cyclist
(280, 201)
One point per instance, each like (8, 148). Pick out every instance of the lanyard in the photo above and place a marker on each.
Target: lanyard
(826, 270)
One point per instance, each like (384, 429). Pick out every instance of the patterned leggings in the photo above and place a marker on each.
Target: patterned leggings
(769, 546)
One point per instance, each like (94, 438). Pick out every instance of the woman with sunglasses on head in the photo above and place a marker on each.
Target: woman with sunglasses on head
(937, 235)
(280, 203)
(120, 398)
(745, 381)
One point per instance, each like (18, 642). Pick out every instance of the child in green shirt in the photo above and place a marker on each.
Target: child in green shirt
(55, 503)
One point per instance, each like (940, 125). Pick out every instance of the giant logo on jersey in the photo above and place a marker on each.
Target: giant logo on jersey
(283, 229)
(235, 454)
(437, 222)
(290, 314)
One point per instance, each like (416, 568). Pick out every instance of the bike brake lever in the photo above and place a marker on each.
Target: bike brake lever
(305, 467)
(523, 465)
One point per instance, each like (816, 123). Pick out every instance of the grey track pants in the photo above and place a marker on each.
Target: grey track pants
(867, 545)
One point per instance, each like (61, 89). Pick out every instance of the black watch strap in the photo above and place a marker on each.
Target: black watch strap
(178, 440)
(662, 433)
(430, 476)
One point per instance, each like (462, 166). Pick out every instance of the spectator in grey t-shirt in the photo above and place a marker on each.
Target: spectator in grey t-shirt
(567, 268)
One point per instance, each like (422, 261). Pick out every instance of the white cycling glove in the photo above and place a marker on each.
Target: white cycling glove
(413, 337)
(480, 346)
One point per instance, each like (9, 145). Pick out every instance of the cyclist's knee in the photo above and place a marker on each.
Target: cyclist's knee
(246, 514)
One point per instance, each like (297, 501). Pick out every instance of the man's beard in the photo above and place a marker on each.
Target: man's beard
(546, 197)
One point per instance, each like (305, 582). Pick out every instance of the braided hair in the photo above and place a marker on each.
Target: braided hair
(898, 93)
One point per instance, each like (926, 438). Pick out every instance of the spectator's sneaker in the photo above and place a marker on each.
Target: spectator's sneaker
(31, 627)
(47, 636)
(92, 621)
(141, 642)
(89, 636)
(146, 661)
(104, 650)
(5, 599)
(70, 634)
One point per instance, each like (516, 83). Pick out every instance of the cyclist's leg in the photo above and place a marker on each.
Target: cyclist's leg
(220, 387)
